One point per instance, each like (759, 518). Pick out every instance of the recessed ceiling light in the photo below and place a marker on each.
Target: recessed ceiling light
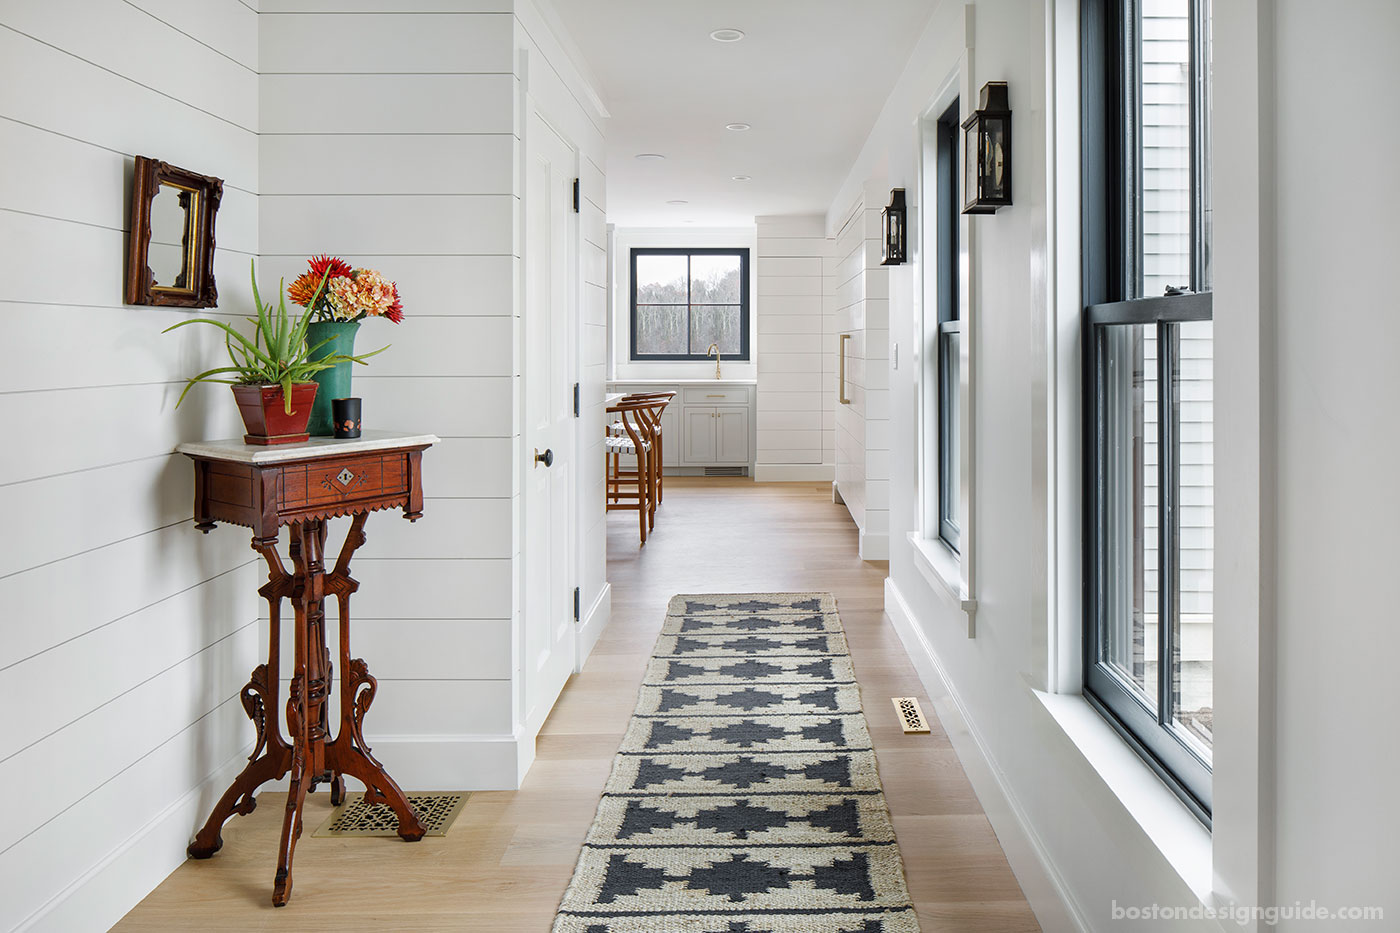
(650, 156)
(742, 177)
(738, 127)
(727, 35)
(677, 202)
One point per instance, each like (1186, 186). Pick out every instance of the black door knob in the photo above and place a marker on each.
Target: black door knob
(547, 458)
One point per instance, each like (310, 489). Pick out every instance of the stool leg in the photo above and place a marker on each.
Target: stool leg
(660, 470)
(642, 491)
(651, 488)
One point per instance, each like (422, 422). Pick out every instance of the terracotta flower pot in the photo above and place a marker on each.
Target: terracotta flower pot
(265, 415)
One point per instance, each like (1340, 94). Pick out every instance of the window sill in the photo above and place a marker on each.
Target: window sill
(1173, 829)
(942, 569)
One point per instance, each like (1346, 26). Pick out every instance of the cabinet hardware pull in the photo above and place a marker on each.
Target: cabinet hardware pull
(841, 389)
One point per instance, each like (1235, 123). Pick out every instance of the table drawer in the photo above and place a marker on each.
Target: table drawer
(343, 479)
(719, 395)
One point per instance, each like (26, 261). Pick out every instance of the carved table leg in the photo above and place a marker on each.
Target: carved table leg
(296, 792)
(306, 704)
(349, 753)
(271, 755)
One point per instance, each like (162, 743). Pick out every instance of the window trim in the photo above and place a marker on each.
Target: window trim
(951, 574)
(1109, 268)
(744, 354)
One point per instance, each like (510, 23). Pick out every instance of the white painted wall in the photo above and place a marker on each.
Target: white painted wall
(625, 239)
(1304, 806)
(1063, 831)
(796, 331)
(1336, 705)
(126, 634)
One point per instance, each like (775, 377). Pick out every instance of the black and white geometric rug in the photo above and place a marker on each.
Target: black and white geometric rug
(745, 797)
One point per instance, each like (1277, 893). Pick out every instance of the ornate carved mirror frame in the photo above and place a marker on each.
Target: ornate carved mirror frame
(198, 196)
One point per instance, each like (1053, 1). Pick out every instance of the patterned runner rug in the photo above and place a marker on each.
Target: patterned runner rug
(745, 797)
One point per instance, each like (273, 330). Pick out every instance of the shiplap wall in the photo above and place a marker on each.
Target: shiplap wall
(426, 186)
(796, 368)
(860, 286)
(125, 634)
(137, 631)
(413, 173)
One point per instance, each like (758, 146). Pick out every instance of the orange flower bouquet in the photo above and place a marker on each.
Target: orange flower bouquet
(338, 297)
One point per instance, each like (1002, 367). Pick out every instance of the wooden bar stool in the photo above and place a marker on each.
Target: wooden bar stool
(635, 439)
(663, 399)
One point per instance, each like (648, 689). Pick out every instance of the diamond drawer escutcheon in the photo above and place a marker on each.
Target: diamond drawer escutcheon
(344, 477)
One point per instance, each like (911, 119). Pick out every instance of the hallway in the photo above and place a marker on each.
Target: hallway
(505, 864)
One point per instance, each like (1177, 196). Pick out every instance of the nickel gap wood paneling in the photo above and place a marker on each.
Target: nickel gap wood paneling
(745, 797)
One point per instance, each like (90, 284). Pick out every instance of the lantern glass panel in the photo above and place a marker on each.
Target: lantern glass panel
(972, 149)
(994, 165)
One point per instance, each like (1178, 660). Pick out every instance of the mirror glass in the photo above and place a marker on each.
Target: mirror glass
(171, 255)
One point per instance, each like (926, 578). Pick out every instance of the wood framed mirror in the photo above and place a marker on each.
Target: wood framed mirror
(170, 254)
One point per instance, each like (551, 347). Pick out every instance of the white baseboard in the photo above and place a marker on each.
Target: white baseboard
(455, 762)
(794, 473)
(101, 896)
(1042, 884)
(590, 628)
(448, 762)
(874, 547)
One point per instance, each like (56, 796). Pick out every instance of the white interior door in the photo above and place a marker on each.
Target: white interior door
(548, 457)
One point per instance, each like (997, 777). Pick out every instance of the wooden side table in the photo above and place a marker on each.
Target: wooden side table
(303, 486)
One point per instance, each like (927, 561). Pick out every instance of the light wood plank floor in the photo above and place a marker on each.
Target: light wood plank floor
(508, 858)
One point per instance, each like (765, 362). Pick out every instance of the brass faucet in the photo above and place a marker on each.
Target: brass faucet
(714, 348)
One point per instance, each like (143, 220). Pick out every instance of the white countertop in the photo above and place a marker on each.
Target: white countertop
(233, 449)
(682, 382)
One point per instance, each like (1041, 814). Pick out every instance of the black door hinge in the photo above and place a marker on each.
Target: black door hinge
(575, 195)
(576, 599)
(575, 399)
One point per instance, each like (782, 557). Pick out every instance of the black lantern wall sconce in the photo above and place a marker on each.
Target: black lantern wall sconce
(987, 152)
(893, 248)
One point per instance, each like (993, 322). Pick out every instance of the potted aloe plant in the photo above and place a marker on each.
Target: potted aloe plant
(271, 373)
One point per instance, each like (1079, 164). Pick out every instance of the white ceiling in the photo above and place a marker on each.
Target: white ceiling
(810, 76)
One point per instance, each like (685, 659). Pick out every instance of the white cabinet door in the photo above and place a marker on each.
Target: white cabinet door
(732, 435)
(671, 436)
(700, 435)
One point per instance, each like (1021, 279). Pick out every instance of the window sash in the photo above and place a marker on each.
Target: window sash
(1152, 730)
(949, 335)
(743, 303)
(949, 373)
(1111, 270)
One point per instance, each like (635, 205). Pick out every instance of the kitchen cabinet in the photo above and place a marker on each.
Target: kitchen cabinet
(708, 425)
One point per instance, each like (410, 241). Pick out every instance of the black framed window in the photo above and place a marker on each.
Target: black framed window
(684, 300)
(949, 338)
(1148, 381)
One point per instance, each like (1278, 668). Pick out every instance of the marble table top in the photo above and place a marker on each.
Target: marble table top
(233, 449)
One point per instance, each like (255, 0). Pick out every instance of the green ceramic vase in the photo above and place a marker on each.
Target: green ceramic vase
(334, 382)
